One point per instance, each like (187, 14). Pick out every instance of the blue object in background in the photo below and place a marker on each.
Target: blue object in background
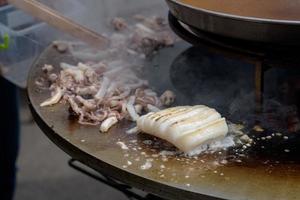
(27, 38)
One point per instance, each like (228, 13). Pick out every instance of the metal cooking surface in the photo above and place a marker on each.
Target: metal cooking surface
(197, 75)
(270, 9)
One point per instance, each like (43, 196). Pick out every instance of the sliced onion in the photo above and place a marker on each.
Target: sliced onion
(111, 88)
(130, 108)
(144, 28)
(103, 89)
(54, 99)
(76, 74)
(83, 67)
(152, 108)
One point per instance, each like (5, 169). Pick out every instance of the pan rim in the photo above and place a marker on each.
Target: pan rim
(237, 17)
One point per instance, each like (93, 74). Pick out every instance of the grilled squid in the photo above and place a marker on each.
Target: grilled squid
(186, 127)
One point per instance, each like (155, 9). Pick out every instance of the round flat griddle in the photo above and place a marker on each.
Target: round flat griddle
(265, 21)
(205, 177)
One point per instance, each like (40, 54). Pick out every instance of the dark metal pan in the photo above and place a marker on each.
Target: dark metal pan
(274, 22)
(255, 175)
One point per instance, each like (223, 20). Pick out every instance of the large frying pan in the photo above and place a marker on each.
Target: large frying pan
(268, 21)
(184, 179)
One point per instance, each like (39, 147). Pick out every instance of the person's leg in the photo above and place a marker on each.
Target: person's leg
(9, 138)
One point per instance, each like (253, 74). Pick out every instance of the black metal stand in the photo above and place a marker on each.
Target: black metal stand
(125, 189)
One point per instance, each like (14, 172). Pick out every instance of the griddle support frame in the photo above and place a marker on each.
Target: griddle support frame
(125, 189)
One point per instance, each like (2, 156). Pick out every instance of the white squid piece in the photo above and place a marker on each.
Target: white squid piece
(131, 110)
(54, 99)
(103, 89)
(107, 124)
(186, 127)
(74, 71)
